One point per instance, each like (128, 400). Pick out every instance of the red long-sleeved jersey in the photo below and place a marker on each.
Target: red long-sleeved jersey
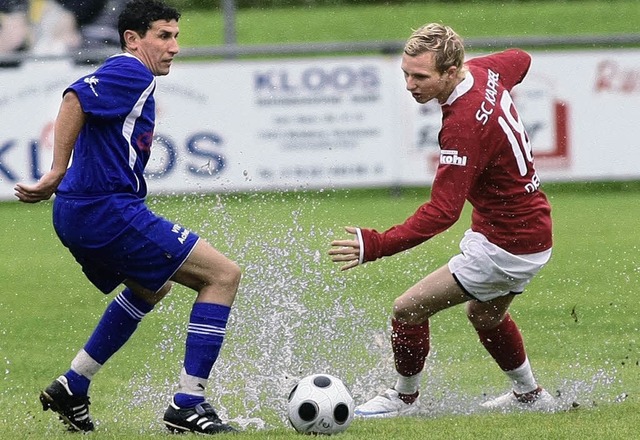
(485, 158)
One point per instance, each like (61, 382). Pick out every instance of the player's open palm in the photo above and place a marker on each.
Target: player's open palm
(41, 190)
(347, 251)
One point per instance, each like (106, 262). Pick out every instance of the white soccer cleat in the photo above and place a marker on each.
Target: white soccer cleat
(387, 404)
(536, 400)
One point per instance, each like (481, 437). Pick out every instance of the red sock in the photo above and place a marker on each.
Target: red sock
(410, 345)
(504, 343)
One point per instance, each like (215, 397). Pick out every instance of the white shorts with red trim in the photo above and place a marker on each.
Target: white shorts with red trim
(486, 271)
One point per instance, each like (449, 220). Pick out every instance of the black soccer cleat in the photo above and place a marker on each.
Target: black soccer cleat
(72, 410)
(201, 419)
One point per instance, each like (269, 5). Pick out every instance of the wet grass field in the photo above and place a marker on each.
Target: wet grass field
(296, 314)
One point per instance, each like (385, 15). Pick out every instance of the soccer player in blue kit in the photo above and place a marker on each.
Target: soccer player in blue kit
(106, 119)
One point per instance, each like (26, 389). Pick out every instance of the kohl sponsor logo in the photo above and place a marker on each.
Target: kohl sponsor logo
(451, 157)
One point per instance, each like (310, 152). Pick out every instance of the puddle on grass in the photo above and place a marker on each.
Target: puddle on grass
(293, 316)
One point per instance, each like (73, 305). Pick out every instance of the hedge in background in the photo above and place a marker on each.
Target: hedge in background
(243, 4)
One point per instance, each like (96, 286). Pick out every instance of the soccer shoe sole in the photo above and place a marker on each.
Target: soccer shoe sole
(177, 429)
(411, 411)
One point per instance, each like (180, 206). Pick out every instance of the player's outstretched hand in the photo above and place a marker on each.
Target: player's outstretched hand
(43, 189)
(346, 250)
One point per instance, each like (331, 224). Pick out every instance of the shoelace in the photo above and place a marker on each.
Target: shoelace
(529, 397)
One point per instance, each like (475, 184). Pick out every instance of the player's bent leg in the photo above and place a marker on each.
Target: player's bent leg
(210, 273)
(410, 342)
(216, 278)
(501, 337)
(68, 395)
(437, 291)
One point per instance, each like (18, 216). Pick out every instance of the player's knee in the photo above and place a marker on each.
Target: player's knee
(228, 277)
(234, 274)
(150, 296)
(474, 316)
(220, 285)
(407, 312)
(483, 318)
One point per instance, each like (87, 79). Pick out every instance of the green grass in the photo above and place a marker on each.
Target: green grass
(378, 22)
(579, 318)
(296, 314)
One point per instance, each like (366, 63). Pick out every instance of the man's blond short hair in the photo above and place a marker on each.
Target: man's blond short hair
(439, 39)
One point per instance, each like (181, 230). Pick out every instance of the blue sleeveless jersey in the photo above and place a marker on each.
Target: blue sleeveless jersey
(114, 145)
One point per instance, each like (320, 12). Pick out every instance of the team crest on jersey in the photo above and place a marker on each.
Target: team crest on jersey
(145, 141)
(92, 81)
(451, 157)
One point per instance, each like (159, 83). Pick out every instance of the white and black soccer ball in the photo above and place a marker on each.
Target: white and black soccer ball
(320, 404)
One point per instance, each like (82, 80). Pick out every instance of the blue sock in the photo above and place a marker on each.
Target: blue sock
(205, 335)
(187, 400)
(78, 384)
(116, 326)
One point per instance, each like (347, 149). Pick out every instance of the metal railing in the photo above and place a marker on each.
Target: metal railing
(231, 51)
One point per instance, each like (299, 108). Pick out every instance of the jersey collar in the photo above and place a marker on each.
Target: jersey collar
(461, 88)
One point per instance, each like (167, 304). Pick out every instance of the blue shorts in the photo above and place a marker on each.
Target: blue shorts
(117, 238)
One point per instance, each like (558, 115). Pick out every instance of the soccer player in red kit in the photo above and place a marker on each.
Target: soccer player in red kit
(485, 158)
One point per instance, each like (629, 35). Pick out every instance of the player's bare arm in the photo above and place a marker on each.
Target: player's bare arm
(67, 128)
(346, 250)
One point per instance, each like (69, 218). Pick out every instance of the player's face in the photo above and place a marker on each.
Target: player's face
(158, 47)
(423, 79)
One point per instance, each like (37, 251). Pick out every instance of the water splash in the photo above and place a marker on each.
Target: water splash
(290, 319)
(293, 317)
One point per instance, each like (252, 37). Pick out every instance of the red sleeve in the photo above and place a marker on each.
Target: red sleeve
(464, 161)
(448, 194)
(512, 64)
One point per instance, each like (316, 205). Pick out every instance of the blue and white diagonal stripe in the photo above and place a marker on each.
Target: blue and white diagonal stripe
(207, 330)
(131, 310)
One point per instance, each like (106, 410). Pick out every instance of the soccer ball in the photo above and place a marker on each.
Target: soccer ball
(320, 404)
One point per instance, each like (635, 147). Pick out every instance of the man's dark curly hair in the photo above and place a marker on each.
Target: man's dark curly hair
(138, 15)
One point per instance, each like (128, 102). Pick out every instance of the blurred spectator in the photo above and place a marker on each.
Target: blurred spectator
(97, 20)
(66, 25)
(58, 26)
(55, 29)
(14, 25)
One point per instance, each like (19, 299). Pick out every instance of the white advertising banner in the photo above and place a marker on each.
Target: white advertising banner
(332, 122)
(581, 110)
(274, 125)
